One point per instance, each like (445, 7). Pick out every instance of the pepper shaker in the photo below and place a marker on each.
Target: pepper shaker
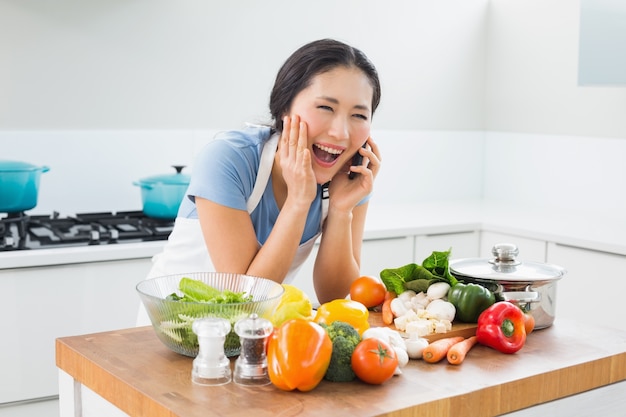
(251, 365)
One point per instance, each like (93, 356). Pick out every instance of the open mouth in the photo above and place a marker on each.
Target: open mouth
(325, 153)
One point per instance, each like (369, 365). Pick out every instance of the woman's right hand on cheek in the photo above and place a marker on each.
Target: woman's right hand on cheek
(295, 161)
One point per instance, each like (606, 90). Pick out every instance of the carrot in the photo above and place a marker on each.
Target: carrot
(457, 353)
(438, 349)
(386, 308)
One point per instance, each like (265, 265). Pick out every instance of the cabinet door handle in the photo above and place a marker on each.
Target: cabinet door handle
(469, 232)
(605, 252)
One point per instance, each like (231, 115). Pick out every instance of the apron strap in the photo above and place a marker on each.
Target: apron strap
(265, 169)
(325, 197)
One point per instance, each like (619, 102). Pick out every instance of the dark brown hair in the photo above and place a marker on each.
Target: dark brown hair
(313, 59)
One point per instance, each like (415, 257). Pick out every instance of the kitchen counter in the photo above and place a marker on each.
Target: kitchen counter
(134, 371)
(604, 233)
(567, 227)
(79, 254)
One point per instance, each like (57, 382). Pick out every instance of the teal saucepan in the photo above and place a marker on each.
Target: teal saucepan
(161, 195)
(19, 185)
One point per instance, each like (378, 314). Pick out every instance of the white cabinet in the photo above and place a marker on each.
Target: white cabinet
(40, 304)
(463, 245)
(380, 254)
(592, 291)
(529, 249)
(376, 255)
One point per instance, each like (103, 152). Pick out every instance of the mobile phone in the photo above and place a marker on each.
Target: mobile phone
(357, 159)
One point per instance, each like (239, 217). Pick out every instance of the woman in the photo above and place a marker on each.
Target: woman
(256, 201)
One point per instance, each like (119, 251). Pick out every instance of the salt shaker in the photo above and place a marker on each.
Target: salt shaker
(211, 366)
(251, 365)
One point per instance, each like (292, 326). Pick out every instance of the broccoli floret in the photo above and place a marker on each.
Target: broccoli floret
(341, 328)
(344, 338)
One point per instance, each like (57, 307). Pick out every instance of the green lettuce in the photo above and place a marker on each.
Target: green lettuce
(434, 268)
(177, 323)
(198, 292)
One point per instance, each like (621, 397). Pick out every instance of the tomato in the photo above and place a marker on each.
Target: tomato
(374, 361)
(368, 291)
(529, 323)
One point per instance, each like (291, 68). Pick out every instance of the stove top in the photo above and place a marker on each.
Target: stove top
(20, 231)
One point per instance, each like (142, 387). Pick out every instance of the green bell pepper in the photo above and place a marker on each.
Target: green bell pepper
(470, 300)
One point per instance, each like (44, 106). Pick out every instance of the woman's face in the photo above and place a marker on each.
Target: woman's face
(337, 108)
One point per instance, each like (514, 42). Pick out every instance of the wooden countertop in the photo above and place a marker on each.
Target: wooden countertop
(133, 370)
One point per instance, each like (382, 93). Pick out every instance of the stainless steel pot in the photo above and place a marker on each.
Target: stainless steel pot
(530, 285)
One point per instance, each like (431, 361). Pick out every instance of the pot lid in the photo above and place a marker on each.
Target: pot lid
(19, 166)
(177, 178)
(505, 267)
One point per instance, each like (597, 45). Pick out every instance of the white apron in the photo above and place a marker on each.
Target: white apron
(186, 250)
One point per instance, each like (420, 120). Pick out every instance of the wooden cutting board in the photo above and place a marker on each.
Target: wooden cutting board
(458, 329)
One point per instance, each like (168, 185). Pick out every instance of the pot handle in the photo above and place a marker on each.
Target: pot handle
(142, 185)
(45, 169)
(522, 296)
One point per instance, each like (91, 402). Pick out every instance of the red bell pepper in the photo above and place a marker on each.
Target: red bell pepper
(501, 327)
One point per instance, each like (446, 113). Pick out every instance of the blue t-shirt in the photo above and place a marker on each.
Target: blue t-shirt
(225, 171)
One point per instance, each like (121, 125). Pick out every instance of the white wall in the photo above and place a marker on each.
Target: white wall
(532, 75)
(105, 93)
(201, 64)
(94, 170)
(480, 98)
(571, 174)
(549, 141)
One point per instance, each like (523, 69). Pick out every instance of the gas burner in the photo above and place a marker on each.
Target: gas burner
(10, 239)
(131, 224)
(21, 231)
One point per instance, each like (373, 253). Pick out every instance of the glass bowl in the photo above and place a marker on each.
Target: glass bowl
(172, 320)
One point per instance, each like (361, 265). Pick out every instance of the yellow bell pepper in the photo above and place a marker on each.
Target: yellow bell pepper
(294, 303)
(349, 311)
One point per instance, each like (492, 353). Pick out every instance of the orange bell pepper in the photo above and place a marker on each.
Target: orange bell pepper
(342, 309)
(298, 355)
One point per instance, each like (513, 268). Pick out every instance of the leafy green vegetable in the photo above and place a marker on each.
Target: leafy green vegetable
(418, 285)
(395, 278)
(438, 264)
(418, 278)
(198, 292)
(200, 300)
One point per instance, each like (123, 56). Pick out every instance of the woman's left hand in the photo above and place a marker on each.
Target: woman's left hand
(346, 193)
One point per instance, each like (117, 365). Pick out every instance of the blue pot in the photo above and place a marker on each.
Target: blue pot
(19, 185)
(161, 195)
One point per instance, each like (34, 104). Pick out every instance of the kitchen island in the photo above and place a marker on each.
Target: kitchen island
(395, 235)
(133, 371)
